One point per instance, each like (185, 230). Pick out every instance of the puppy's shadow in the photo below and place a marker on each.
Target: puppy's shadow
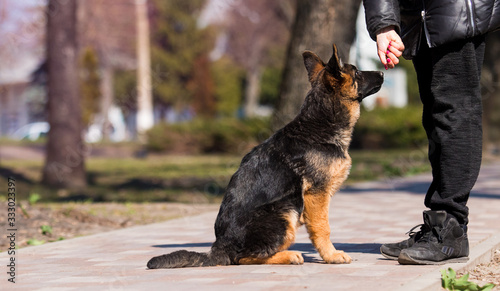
(311, 255)
(308, 252)
(307, 249)
(188, 245)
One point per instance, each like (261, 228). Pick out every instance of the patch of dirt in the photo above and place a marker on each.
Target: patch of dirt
(68, 220)
(486, 273)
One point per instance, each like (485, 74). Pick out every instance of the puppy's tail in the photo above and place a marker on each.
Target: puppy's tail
(182, 259)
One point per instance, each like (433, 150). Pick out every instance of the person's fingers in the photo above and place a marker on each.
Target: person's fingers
(383, 58)
(390, 48)
(390, 63)
(397, 44)
(394, 50)
(392, 59)
(392, 54)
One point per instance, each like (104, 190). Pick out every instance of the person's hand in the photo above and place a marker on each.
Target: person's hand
(390, 47)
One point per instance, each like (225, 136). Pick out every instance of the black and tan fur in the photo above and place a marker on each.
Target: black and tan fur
(290, 178)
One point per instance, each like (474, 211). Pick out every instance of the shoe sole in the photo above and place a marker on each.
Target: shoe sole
(388, 256)
(404, 259)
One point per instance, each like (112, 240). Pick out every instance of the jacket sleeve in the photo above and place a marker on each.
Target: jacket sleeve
(380, 14)
(495, 17)
(487, 15)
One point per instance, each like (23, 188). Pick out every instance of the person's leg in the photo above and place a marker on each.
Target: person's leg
(454, 125)
(423, 66)
(448, 80)
(452, 119)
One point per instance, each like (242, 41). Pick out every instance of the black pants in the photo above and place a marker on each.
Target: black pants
(449, 84)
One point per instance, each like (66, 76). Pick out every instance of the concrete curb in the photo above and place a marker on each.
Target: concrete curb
(479, 254)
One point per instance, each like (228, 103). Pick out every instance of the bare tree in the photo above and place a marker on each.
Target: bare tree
(108, 27)
(64, 165)
(144, 89)
(3, 11)
(254, 27)
(318, 24)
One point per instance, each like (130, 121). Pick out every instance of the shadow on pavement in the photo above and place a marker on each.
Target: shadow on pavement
(413, 188)
(189, 245)
(309, 252)
(15, 175)
(419, 188)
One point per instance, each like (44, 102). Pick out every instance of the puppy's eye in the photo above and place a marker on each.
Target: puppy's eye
(358, 74)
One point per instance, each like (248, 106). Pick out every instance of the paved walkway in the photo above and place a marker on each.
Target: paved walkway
(362, 217)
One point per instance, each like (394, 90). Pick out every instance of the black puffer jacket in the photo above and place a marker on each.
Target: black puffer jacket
(442, 21)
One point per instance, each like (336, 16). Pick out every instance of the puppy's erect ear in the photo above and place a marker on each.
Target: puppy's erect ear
(335, 64)
(313, 64)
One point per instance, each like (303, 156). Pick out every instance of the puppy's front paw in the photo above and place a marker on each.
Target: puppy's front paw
(337, 257)
(296, 258)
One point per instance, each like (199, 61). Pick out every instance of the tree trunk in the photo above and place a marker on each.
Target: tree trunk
(144, 88)
(65, 157)
(318, 24)
(252, 92)
(106, 100)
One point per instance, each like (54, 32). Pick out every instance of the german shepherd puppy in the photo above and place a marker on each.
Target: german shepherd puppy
(290, 178)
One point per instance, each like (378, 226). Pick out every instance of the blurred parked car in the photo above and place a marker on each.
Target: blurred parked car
(32, 131)
(36, 130)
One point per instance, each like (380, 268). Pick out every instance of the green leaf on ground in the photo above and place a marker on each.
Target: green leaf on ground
(449, 281)
(35, 242)
(46, 229)
(33, 198)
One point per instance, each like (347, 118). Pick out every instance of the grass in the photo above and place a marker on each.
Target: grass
(184, 178)
(156, 178)
(372, 165)
(165, 166)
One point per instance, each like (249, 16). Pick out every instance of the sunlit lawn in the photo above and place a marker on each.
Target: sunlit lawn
(187, 178)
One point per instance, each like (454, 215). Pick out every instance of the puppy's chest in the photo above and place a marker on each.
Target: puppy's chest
(326, 173)
(338, 169)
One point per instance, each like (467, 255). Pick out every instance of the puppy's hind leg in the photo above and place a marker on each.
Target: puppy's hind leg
(280, 258)
(318, 227)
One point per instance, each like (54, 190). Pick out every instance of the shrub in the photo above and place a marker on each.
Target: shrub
(227, 135)
(390, 128)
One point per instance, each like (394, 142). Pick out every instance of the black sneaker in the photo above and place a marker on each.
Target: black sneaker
(446, 242)
(392, 251)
